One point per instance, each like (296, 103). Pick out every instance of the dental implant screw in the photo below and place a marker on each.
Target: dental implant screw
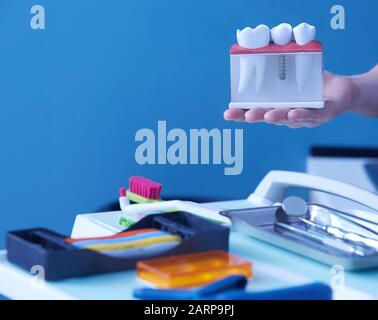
(282, 67)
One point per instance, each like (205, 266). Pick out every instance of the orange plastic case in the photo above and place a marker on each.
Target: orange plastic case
(192, 270)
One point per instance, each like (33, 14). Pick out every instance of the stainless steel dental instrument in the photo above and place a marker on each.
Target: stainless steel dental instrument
(336, 244)
(343, 235)
(330, 221)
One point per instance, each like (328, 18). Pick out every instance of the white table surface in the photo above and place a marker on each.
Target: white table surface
(273, 268)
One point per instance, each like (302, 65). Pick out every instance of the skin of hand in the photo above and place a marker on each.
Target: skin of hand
(341, 94)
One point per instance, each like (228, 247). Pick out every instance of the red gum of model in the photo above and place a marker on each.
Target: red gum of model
(292, 47)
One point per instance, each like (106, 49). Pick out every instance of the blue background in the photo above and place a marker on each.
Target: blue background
(73, 96)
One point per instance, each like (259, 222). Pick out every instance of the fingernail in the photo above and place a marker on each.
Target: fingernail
(268, 117)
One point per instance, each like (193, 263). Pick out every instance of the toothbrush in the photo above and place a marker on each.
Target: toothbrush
(142, 190)
(124, 202)
(123, 199)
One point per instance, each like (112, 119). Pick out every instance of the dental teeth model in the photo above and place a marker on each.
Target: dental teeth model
(270, 70)
(303, 34)
(253, 39)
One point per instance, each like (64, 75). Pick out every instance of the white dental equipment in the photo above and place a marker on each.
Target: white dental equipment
(282, 73)
(258, 214)
(358, 166)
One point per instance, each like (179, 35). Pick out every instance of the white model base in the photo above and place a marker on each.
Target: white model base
(277, 105)
(292, 80)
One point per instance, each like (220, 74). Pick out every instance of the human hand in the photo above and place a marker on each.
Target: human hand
(339, 94)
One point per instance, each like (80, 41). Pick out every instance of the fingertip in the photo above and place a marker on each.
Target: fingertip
(276, 116)
(255, 115)
(270, 116)
(234, 115)
(292, 115)
(298, 115)
(227, 115)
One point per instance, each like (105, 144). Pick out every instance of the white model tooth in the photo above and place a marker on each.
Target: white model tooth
(252, 39)
(248, 64)
(282, 34)
(303, 34)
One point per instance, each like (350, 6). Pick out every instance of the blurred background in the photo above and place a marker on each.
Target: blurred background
(73, 96)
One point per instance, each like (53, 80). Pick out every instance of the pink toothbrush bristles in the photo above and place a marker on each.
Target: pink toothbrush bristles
(122, 192)
(145, 188)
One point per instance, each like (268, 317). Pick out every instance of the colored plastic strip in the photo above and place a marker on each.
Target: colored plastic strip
(133, 252)
(117, 235)
(121, 240)
(136, 243)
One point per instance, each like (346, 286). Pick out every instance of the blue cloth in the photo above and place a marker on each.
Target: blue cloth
(233, 288)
